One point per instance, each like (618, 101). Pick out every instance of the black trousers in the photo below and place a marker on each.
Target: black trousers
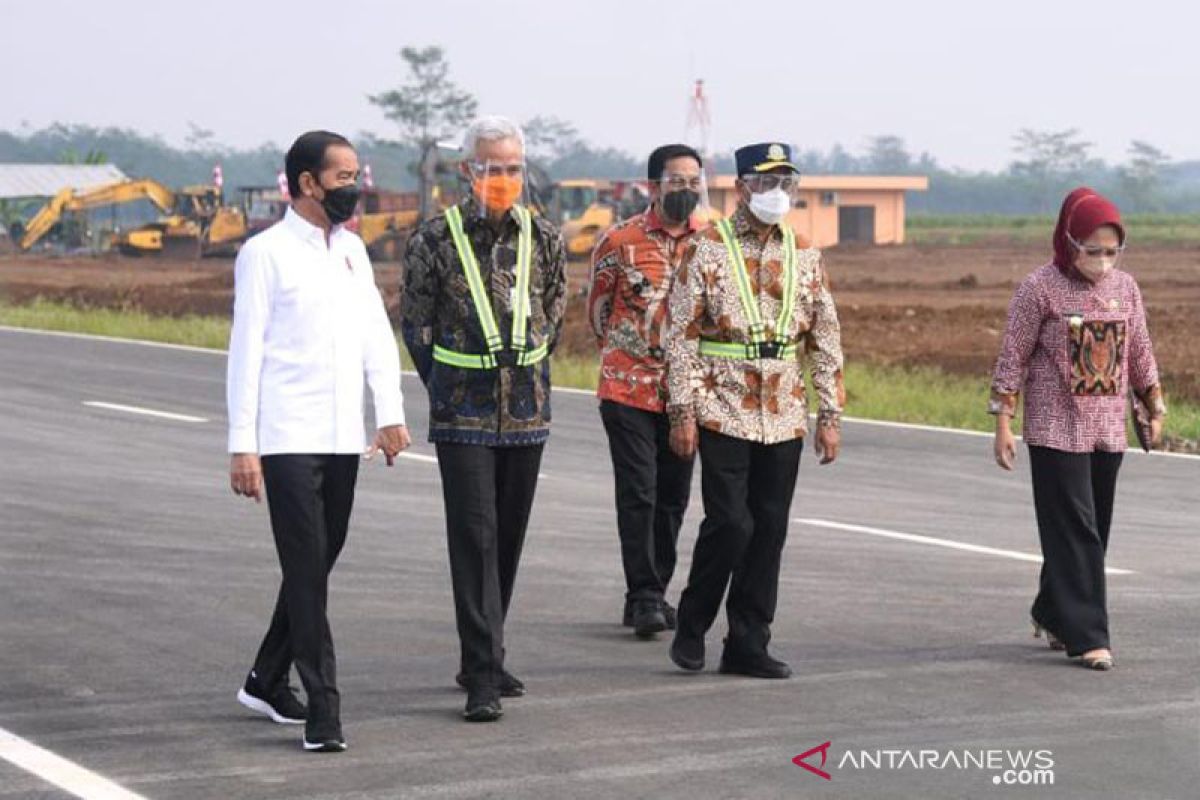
(748, 490)
(1073, 496)
(652, 489)
(310, 498)
(488, 493)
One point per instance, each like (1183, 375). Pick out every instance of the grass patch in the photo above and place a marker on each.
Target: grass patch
(196, 331)
(963, 229)
(921, 395)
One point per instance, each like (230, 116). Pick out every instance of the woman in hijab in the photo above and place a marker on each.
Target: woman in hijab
(1076, 342)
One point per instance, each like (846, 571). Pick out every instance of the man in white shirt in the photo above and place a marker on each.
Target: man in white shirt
(308, 325)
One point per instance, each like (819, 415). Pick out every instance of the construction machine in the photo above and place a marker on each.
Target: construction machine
(195, 221)
(198, 223)
(68, 201)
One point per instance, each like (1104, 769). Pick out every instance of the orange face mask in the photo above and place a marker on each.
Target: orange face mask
(498, 193)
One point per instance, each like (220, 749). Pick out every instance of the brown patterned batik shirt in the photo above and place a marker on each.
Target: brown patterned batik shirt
(762, 400)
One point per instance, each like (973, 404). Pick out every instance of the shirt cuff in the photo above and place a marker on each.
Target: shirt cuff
(243, 440)
(389, 410)
(1003, 404)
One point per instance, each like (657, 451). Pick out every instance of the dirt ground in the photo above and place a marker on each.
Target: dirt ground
(914, 304)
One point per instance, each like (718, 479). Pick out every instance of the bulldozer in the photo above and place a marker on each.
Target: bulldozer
(198, 223)
(195, 221)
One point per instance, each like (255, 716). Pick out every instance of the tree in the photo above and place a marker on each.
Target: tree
(428, 108)
(1141, 176)
(1052, 160)
(549, 138)
(201, 139)
(887, 155)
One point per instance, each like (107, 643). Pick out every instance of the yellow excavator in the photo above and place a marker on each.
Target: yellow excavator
(195, 222)
(68, 200)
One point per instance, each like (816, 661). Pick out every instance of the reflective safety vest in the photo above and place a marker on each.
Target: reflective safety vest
(518, 355)
(758, 346)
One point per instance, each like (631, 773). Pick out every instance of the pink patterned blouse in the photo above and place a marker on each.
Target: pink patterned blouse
(1075, 348)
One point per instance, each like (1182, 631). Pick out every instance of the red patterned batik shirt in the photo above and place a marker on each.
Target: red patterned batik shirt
(632, 269)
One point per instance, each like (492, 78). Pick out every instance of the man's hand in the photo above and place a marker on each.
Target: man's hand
(683, 440)
(1005, 444)
(829, 443)
(1156, 431)
(245, 475)
(392, 440)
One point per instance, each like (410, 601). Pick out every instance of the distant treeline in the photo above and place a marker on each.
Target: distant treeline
(1047, 165)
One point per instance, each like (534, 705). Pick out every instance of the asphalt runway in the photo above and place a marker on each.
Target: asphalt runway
(134, 588)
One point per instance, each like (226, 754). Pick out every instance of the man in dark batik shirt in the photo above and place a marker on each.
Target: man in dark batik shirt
(483, 300)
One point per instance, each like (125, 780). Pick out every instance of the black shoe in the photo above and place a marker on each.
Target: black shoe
(648, 619)
(509, 686)
(324, 737)
(753, 665)
(627, 617)
(280, 704)
(483, 704)
(669, 614)
(687, 653)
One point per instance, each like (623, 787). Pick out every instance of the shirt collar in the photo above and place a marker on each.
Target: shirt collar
(654, 223)
(305, 230)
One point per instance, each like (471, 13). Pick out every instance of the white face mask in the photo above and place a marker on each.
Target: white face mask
(1095, 268)
(771, 206)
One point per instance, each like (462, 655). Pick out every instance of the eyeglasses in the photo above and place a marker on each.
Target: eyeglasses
(497, 170)
(767, 182)
(1097, 251)
(674, 183)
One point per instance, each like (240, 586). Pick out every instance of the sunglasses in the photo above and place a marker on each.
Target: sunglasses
(498, 170)
(1095, 250)
(767, 183)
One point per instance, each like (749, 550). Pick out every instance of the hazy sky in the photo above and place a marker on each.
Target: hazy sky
(954, 78)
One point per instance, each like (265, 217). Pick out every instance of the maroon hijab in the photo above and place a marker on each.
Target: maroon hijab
(1082, 213)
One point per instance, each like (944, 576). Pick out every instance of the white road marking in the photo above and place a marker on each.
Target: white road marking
(145, 412)
(64, 774)
(560, 389)
(420, 457)
(931, 540)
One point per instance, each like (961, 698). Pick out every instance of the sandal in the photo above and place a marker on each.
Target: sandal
(1052, 640)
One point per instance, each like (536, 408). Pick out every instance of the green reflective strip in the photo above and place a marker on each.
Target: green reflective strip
(463, 360)
(789, 283)
(742, 279)
(479, 296)
(528, 359)
(739, 350)
(722, 349)
(524, 258)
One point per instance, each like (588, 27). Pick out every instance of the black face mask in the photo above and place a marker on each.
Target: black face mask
(678, 206)
(339, 203)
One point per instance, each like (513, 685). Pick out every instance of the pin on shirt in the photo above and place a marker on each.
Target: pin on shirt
(349, 266)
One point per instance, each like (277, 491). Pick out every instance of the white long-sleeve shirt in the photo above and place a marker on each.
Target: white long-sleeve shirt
(308, 325)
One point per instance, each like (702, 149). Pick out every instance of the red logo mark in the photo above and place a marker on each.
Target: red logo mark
(824, 750)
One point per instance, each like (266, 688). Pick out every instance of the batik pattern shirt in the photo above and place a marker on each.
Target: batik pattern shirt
(1075, 348)
(632, 269)
(762, 400)
(507, 406)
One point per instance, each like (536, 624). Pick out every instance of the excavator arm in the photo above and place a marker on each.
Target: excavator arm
(111, 194)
